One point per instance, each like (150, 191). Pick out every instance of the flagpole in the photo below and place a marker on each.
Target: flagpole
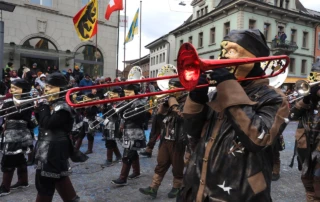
(97, 35)
(125, 26)
(118, 44)
(140, 33)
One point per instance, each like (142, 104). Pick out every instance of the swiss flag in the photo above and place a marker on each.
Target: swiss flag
(114, 5)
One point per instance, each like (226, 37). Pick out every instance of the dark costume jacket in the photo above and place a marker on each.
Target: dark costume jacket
(233, 159)
(54, 146)
(307, 134)
(112, 125)
(89, 119)
(133, 131)
(173, 124)
(17, 137)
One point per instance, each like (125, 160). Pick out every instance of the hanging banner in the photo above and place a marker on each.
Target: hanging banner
(123, 20)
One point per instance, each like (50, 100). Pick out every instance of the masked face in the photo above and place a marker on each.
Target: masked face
(314, 76)
(50, 90)
(230, 50)
(112, 95)
(15, 89)
(128, 93)
(176, 94)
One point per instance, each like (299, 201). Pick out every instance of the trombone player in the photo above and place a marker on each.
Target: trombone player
(233, 161)
(54, 147)
(306, 110)
(16, 139)
(111, 130)
(133, 138)
(172, 144)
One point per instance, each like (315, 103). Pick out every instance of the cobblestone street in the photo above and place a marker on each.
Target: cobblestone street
(92, 182)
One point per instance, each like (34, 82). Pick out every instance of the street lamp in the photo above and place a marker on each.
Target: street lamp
(4, 6)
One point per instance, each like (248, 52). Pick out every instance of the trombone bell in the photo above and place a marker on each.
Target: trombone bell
(303, 87)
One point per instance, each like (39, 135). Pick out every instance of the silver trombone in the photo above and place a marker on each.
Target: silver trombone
(18, 111)
(303, 89)
(19, 103)
(115, 111)
(158, 101)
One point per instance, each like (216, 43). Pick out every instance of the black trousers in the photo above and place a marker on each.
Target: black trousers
(10, 162)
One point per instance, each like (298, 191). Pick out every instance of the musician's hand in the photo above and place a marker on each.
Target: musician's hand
(220, 75)
(200, 95)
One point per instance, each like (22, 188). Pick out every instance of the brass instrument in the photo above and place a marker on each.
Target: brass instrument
(190, 67)
(302, 89)
(110, 113)
(157, 100)
(19, 102)
(17, 111)
(85, 99)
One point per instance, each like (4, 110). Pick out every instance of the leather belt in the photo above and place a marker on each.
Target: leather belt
(49, 135)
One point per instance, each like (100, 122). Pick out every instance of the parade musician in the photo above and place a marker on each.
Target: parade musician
(133, 138)
(16, 139)
(172, 144)
(306, 111)
(233, 159)
(54, 147)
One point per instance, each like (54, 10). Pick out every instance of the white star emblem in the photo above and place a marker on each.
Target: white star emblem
(111, 3)
(57, 108)
(238, 150)
(262, 135)
(225, 188)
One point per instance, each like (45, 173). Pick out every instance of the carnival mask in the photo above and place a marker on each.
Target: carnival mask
(176, 94)
(112, 95)
(15, 90)
(128, 93)
(50, 90)
(231, 50)
(314, 76)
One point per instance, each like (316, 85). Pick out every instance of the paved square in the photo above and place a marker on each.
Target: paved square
(92, 182)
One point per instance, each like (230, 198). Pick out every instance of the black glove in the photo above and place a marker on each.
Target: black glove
(220, 75)
(200, 95)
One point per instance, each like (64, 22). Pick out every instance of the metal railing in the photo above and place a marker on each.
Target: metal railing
(288, 45)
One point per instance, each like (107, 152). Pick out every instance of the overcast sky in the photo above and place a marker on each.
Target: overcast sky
(160, 17)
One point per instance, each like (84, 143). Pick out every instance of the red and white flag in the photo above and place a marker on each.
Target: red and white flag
(114, 5)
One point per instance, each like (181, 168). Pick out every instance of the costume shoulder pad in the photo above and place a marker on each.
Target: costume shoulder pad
(139, 102)
(64, 106)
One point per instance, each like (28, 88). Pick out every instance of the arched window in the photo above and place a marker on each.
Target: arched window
(40, 43)
(89, 60)
(37, 45)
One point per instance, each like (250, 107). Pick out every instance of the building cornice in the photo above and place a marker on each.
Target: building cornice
(240, 5)
(157, 41)
(56, 12)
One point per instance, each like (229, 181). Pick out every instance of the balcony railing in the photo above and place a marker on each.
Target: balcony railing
(283, 47)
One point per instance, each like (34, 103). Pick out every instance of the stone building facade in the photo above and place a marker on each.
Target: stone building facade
(213, 19)
(162, 52)
(42, 32)
(143, 63)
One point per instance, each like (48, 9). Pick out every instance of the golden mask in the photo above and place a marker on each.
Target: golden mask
(112, 95)
(231, 50)
(314, 76)
(15, 90)
(128, 93)
(51, 90)
(176, 94)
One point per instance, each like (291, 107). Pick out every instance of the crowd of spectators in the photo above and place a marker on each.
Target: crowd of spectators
(75, 77)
